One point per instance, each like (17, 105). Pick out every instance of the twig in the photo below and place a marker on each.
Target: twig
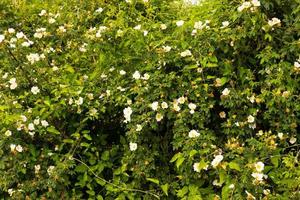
(122, 188)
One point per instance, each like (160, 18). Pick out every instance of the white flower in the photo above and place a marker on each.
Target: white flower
(179, 23)
(13, 83)
(259, 166)
(199, 25)
(250, 119)
(2, 37)
(132, 146)
(50, 170)
(12, 147)
(154, 105)
(93, 112)
(138, 127)
(186, 53)
(231, 186)
(19, 148)
(36, 121)
(163, 27)
(5, 75)
(145, 33)
(44, 123)
(146, 76)
(192, 2)
(122, 72)
(217, 183)
(51, 20)
(181, 100)
(216, 161)
(8, 133)
(255, 3)
(99, 10)
(166, 48)
(194, 134)
(274, 21)
(164, 105)
(42, 13)
(61, 29)
(20, 35)
(31, 126)
(293, 140)
(136, 75)
(222, 114)
(196, 167)
(35, 90)
(296, 64)
(266, 192)
(176, 107)
(159, 117)
(79, 101)
(138, 27)
(10, 191)
(192, 106)
(245, 5)
(258, 176)
(11, 30)
(225, 24)
(33, 57)
(127, 113)
(280, 135)
(37, 168)
(24, 118)
(225, 92)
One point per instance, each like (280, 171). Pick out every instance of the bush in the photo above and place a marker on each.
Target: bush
(150, 99)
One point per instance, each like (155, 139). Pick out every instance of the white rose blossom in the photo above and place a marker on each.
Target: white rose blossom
(35, 90)
(127, 114)
(217, 160)
(193, 134)
(132, 146)
(179, 23)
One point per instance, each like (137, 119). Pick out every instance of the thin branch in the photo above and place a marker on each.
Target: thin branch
(122, 188)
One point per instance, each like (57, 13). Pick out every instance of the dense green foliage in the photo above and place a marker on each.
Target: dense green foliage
(150, 99)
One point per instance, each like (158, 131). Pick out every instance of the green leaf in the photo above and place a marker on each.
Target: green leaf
(234, 165)
(153, 180)
(275, 160)
(70, 141)
(105, 155)
(53, 130)
(179, 161)
(99, 197)
(176, 156)
(88, 137)
(193, 152)
(165, 188)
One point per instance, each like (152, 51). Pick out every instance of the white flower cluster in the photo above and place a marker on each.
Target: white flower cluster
(14, 148)
(248, 4)
(274, 21)
(257, 174)
(35, 57)
(40, 33)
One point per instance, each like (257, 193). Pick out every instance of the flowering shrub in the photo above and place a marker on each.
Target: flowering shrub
(150, 99)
